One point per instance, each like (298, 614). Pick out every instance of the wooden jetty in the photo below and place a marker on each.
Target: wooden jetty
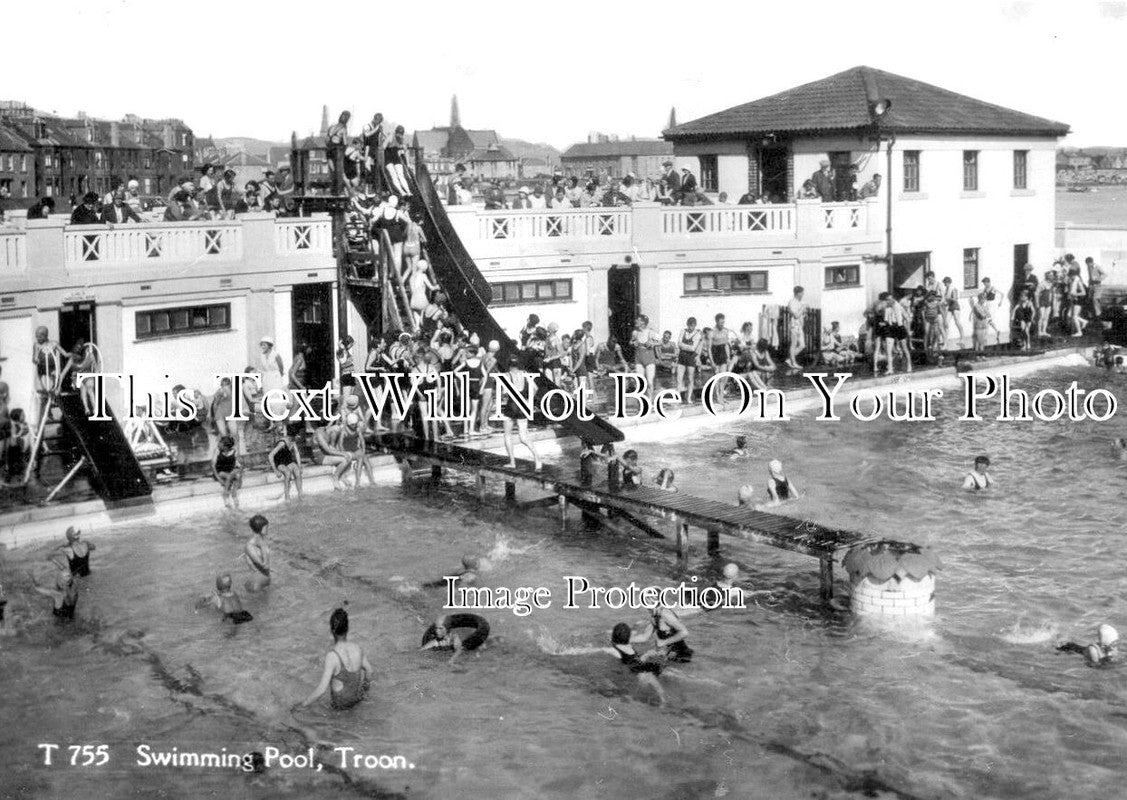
(681, 511)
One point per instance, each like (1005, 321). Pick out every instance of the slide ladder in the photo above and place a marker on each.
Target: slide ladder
(114, 472)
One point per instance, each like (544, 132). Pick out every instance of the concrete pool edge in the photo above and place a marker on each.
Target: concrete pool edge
(262, 491)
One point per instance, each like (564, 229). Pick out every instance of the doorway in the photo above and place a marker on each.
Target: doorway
(312, 305)
(845, 175)
(622, 302)
(1021, 258)
(77, 324)
(774, 165)
(908, 272)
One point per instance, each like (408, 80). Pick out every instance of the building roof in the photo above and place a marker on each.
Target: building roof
(483, 154)
(842, 102)
(242, 159)
(12, 142)
(630, 147)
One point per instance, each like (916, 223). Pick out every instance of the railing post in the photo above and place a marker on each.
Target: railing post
(681, 533)
(826, 579)
(562, 501)
(713, 542)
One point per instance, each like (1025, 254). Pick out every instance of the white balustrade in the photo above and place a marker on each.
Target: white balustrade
(13, 251)
(574, 223)
(727, 220)
(303, 236)
(86, 245)
(843, 217)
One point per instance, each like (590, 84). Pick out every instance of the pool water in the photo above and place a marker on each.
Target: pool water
(784, 700)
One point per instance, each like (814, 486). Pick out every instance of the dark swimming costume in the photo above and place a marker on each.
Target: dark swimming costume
(635, 663)
(238, 617)
(687, 358)
(630, 477)
(3, 605)
(678, 651)
(1023, 314)
(226, 462)
(66, 611)
(79, 565)
(587, 468)
(719, 356)
(352, 690)
(283, 457)
(782, 489)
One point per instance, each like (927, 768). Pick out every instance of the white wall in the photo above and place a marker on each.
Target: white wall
(283, 325)
(17, 333)
(149, 360)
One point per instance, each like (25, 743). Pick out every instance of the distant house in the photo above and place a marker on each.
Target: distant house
(494, 162)
(1080, 161)
(248, 167)
(642, 157)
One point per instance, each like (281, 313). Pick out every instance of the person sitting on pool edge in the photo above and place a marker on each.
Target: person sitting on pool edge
(257, 554)
(227, 601)
(779, 488)
(347, 673)
(979, 479)
(1099, 653)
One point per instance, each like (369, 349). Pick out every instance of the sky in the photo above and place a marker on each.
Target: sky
(548, 72)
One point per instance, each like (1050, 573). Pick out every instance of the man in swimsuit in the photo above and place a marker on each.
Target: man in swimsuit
(796, 315)
(779, 488)
(77, 553)
(979, 479)
(227, 601)
(512, 415)
(48, 359)
(257, 554)
(65, 591)
(347, 673)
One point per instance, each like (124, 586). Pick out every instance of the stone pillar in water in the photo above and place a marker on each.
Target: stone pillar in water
(891, 580)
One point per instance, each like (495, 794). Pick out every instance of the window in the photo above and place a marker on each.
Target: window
(970, 268)
(970, 170)
(23, 188)
(98, 159)
(697, 283)
(515, 292)
(11, 163)
(911, 170)
(23, 163)
(48, 160)
(708, 172)
(846, 275)
(1021, 161)
(176, 321)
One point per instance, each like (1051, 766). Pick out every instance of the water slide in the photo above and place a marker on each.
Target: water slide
(114, 472)
(469, 294)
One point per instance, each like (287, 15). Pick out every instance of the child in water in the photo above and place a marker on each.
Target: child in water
(621, 648)
(779, 487)
(227, 601)
(740, 450)
(979, 479)
(228, 470)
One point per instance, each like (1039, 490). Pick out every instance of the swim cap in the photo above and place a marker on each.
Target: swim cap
(731, 571)
(745, 494)
(223, 582)
(775, 467)
(352, 420)
(1108, 635)
(72, 533)
(494, 346)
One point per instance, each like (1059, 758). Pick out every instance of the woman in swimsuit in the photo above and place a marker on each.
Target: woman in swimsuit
(553, 353)
(350, 440)
(489, 368)
(347, 673)
(228, 470)
(512, 415)
(688, 359)
(762, 367)
(77, 553)
(64, 593)
(666, 627)
(779, 487)
(621, 648)
(580, 360)
(1022, 318)
(979, 479)
(48, 359)
(644, 341)
(951, 310)
(419, 285)
(472, 363)
(285, 460)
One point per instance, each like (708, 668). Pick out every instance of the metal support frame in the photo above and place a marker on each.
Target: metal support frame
(73, 471)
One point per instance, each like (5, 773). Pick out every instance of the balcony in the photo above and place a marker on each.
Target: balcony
(652, 227)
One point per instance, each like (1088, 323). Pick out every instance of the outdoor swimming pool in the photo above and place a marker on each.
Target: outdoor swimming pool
(790, 701)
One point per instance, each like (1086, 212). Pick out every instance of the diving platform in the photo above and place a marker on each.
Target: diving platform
(680, 511)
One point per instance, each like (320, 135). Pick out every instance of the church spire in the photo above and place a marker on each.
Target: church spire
(324, 120)
(455, 117)
(672, 118)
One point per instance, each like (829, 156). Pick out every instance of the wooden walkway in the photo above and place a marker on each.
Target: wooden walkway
(680, 510)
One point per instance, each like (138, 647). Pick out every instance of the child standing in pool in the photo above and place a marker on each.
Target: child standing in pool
(227, 601)
(256, 554)
(978, 480)
(285, 460)
(227, 470)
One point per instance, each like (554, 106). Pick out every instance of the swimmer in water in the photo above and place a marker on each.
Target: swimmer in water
(467, 577)
(64, 593)
(671, 634)
(621, 648)
(740, 450)
(1099, 653)
(227, 601)
(445, 639)
(227, 469)
(256, 554)
(664, 480)
(746, 496)
(630, 473)
(979, 479)
(779, 488)
(347, 673)
(1120, 448)
(77, 553)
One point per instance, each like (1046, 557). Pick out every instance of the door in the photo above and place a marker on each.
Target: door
(622, 302)
(1021, 258)
(312, 305)
(845, 175)
(908, 272)
(77, 325)
(774, 163)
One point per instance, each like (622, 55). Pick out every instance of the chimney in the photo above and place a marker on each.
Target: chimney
(455, 117)
(166, 134)
(324, 120)
(672, 118)
(115, 135)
